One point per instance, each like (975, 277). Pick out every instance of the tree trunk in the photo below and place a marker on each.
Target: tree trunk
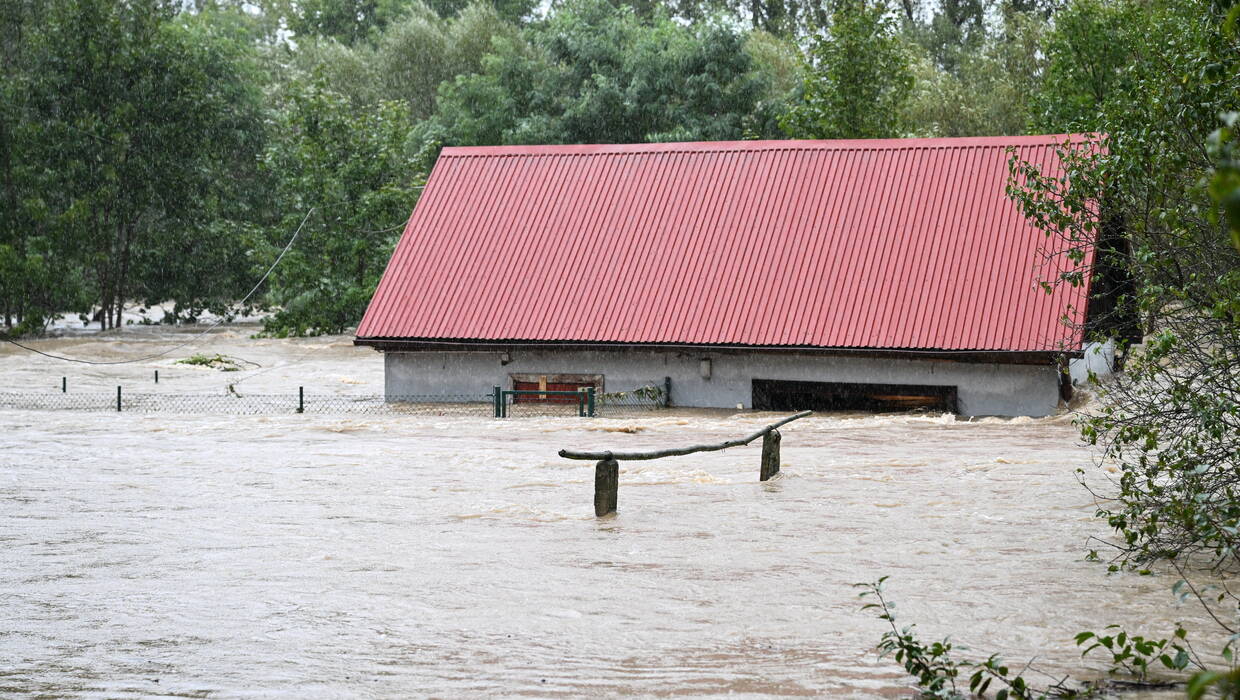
(125, 234)
(101, 267)
(123, 275)
(105, 301)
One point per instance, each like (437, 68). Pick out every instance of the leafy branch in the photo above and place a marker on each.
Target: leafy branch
(937, 672)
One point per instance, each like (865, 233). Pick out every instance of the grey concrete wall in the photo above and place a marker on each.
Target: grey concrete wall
(982, 389)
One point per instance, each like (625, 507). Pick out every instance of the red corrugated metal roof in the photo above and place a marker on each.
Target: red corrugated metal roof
(902, 243)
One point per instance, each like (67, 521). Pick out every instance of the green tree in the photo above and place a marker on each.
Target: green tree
(414, 56)
(782, 17)
(991, 89)
(347, 21)
(1088, 57)
(350, 70)
(216, 233)
(946, 29)
(1171, 420)
(251, 21)
(137, 117)
(508, 10)
(406, 61)
(777, 63)
(592, 73)
(857, 78)
(357, 174)
(35, 282)
(354, 21)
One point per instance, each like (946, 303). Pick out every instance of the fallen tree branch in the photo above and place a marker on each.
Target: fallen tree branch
(677, 451)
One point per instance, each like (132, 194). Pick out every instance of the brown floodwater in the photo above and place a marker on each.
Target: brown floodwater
(397, 556)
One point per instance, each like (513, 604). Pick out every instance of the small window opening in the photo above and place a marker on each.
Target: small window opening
(778, 395)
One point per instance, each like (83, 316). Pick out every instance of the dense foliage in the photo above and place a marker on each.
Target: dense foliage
(351, 170)
(103, 155)
(596, 73)
(859, 76)
(1172, 419)
(1160, 83)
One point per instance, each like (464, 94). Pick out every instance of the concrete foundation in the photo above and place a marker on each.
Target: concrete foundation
(724, 379)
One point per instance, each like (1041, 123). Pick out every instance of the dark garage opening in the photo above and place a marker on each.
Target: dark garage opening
(779, 395)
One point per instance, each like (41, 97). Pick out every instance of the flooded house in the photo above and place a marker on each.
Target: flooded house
(864, 274)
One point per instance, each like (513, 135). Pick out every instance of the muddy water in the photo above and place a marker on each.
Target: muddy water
(320, 556)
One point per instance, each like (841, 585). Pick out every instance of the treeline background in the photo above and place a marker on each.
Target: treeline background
(155, 151)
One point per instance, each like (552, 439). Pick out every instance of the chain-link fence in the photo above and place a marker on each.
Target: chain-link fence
(636, 402)
(481, 405)
(252, 404)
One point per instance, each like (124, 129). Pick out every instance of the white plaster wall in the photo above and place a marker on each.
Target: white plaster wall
(982, 389)
(1099, 358)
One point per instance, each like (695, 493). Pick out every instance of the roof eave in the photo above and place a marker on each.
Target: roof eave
(996, 355)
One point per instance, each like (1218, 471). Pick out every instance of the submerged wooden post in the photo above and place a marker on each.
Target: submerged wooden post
(770, 455)
(606, 486)
(607, 469)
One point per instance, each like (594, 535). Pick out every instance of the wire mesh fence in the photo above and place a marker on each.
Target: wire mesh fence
(251, 404)
(479, 405)
(636, 402)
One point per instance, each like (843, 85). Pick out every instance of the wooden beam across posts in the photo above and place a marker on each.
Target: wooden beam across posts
(606, 486)
(607, 468)
(770, 456)
(678, 451)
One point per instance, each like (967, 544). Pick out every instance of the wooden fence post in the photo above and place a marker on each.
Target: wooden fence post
(770, 455)
(606, 485)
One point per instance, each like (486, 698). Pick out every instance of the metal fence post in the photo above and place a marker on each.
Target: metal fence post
(118, 399)
(496, 398)
(590, 401)
(64, 385)
(301, 399)
(156, 376)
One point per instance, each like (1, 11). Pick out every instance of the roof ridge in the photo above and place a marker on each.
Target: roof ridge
(696, 147)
